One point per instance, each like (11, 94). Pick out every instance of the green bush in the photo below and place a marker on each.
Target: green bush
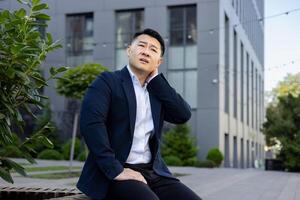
(205, 164)
(82, 156)
(51, 132)
(178, 142)
(216, 156)
(67, 147)
(75, 80)
(50, 154)
(173, 161)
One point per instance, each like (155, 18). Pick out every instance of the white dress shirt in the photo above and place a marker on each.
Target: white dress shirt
(140, 151)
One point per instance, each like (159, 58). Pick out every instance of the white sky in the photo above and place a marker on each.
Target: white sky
(282, 41)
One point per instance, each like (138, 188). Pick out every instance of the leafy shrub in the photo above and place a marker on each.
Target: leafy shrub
(178, 142)
(82, 156)
(75, 80)
(67, 147)
(22, 51)
(52, 132)
(216, 156)
(50, 154)
(205, 164)
(173, 161)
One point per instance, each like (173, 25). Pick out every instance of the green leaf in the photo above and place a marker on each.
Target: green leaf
(21, 13)
(10, 72)
(40, 7)
(42, 16)
(40, 81)
(33, 35)
(23, 76)
(5, 175)
(2, 116)
(35, 2)
(61, 69)
(45, 141)
(49, 38)
(53, 71)
(19, 117)
(17, 167)
(42, 96)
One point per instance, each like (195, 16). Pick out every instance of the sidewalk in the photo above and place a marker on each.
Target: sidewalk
(210, 184)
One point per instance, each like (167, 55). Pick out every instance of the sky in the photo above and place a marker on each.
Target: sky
(282, 41)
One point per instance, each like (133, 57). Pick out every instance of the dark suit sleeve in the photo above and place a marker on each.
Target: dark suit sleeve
(94, 112)
(176, 110)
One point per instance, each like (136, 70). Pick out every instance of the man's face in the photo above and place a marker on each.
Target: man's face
(144, 54)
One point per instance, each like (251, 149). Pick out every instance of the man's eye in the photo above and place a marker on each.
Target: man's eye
(141, 45)
(154, 50)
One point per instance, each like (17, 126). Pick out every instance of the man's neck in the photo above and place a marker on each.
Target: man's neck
(141, 75)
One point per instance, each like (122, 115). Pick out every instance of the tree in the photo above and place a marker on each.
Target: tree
(22, 51)
(178, 147)
(75, 81)
(283, 128)
(289, 85)
(73, 84)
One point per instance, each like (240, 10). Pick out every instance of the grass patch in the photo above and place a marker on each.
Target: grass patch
(179, 174)
(49, 168)
(24, 164)
(56, 175)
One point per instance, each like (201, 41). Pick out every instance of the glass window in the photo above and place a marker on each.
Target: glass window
(191, 88)
(182, 52)
(127, 24)
(79, 38)
(176, 80)
(176, 55)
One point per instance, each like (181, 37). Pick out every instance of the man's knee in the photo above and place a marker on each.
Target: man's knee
(131, 190)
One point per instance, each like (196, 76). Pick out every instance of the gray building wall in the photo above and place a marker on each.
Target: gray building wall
(210, 122)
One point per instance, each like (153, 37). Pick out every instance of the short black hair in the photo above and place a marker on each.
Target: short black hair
(154, 34)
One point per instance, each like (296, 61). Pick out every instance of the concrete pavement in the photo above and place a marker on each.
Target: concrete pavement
(210, 184)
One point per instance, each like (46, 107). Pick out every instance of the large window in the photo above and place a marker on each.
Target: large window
(127, 24)
(227, 68)
(182, 52)
(235, 76)
(79, 38)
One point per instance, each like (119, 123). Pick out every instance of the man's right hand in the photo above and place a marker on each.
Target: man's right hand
(129, 174)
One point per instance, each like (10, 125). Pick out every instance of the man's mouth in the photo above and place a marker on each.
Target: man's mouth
(143, 60)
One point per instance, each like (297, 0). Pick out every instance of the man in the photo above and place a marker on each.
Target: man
(121, 121)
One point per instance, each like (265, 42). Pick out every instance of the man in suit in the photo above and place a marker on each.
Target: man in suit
(121, 121)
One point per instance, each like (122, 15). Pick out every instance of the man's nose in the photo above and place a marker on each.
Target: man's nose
(145, 52)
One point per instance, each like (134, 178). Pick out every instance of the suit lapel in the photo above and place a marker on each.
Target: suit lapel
(131, 99)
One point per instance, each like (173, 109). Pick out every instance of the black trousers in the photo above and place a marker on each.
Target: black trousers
(157, 187)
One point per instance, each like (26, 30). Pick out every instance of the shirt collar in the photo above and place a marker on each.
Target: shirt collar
(134, 78)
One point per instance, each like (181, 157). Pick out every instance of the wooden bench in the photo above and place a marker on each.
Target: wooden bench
(29, 193)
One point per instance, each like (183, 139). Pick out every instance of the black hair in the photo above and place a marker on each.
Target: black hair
(154, 34)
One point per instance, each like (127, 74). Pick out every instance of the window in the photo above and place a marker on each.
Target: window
(182, 52)
(247, 86)
(227, 69)
(79, 39)
(242, 82)
(252, 93)
(235, 73)
(127, 24)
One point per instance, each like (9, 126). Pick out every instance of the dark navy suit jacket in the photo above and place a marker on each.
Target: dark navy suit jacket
(107, 124)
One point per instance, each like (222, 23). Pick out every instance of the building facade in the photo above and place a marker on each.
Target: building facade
(214, 59)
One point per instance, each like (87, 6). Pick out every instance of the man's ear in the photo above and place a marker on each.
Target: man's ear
(128, 50)
(160, 61)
